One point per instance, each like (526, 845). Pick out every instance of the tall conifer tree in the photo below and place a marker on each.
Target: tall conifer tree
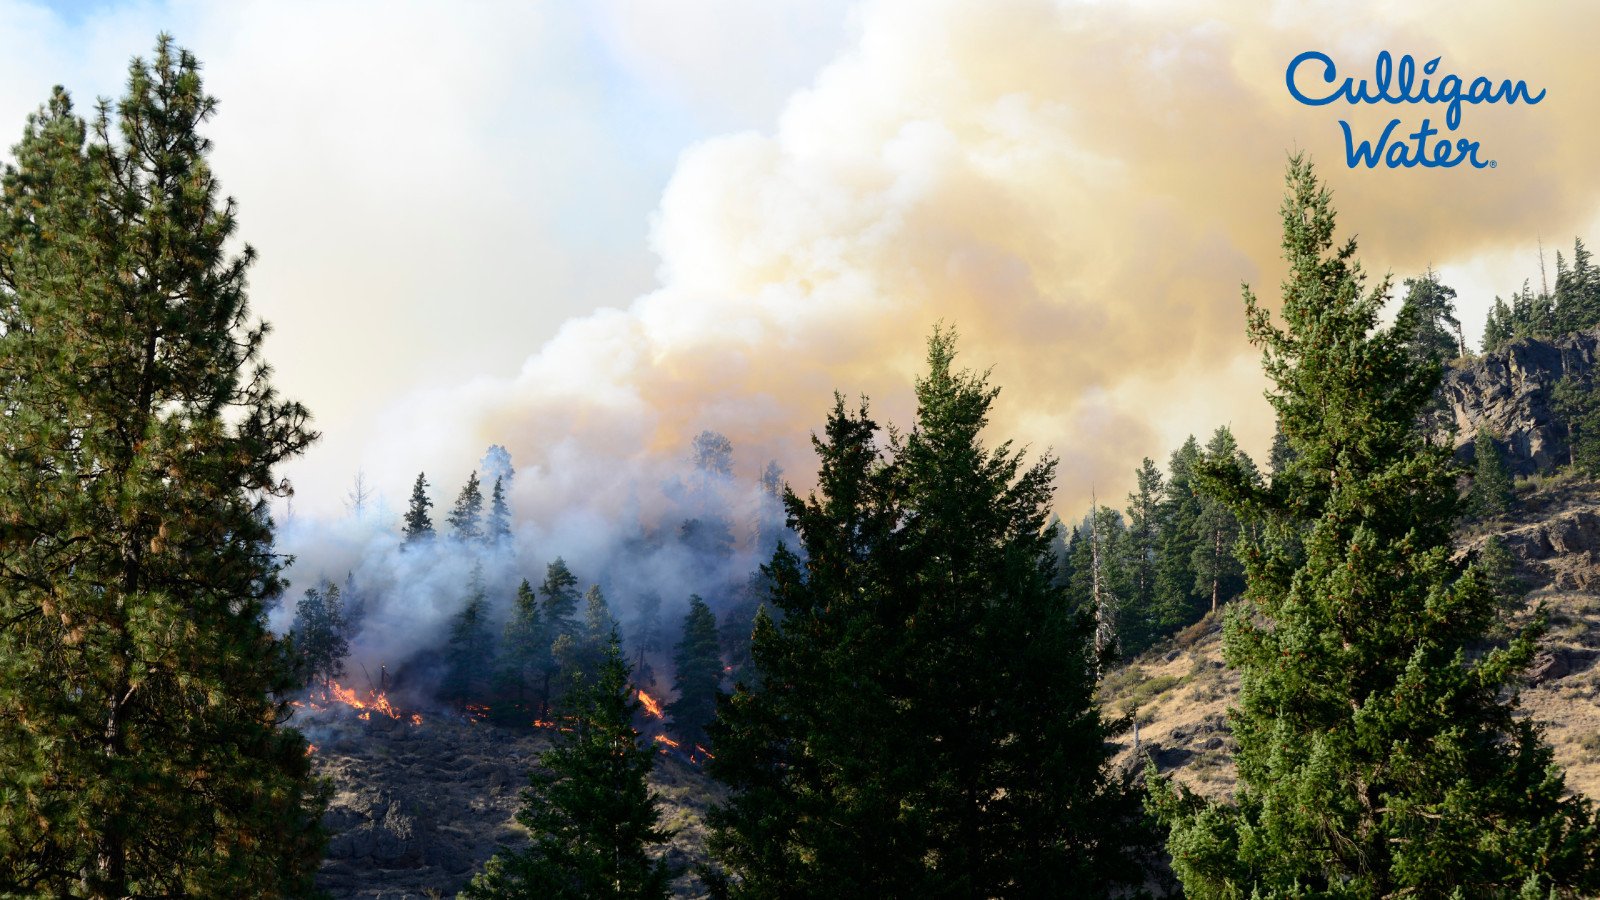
(469, 654)
(559, 594)
(1377, 757)
(588, 808)
(140, 690)
(466, 517)
(497, 527)
(1218, 575)
(319, 634)
(1491, 493)
(925, 723)
(698, 675)
(1176, 598)
(523, 651)
(418, 524)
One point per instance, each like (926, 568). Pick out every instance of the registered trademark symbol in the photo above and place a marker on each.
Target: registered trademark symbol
(1494, 164)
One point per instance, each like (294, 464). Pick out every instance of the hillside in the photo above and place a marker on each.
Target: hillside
(1180, 691)
(417, 809)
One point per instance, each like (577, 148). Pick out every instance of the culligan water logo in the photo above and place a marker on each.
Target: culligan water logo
(1313, 79)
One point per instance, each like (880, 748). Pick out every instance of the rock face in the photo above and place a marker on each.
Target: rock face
(1564, 550)
(1508, 392)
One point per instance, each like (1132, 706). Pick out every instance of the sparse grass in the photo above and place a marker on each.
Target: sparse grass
(1153, 688)
(1590, 743)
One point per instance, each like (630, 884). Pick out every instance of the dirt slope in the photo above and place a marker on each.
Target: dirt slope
(1182, 691)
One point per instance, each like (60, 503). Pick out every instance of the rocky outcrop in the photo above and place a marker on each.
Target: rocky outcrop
(1562, 551)
(1508, 393)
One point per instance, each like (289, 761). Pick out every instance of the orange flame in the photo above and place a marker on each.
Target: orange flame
(310, 749)
(704, 752)
(663, 739)
(374, 701)
(650, 705)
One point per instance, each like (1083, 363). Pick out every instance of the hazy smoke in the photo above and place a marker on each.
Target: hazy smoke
(410, 593)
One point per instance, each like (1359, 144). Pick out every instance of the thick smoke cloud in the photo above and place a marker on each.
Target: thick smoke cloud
(1079, 188)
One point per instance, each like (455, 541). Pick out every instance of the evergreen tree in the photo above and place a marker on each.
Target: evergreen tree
(1218, 575)
(1491, 493)
(698, 675)
(1177, 601)
(466, 516)
(1577, 295)
(1143, 540)
(498, 526)
(470, 653)
(318, 634)
(524, 649)
(1281, 455)
(1528, 315)
(1497, 329)
(589, 646)
(1578, 403)
(1101, 582)
(140, 690)
(1430, 305)
(1376, 757)
(589, 810)
(738, 622)
(645, 634)
(770, 516)
(927, 665)
(418, 524)
(559, 594)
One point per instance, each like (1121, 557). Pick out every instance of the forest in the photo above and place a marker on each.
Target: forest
(892, 677)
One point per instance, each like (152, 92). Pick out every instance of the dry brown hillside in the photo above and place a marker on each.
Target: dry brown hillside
(1181, 691)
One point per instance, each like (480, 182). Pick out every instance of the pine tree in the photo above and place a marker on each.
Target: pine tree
(1376, 755)
(1218, 575)
(589, 811)
(1102, 579)
(466, 516)
(1491, 493)
(418, 525)
(498, 526)
(1143, 540)
(1577, 295)
(698, 675)
(559, 593)
(1431, 305)
(524, 649)
(589, 641)
(1578, 403)
(318, 634)
(927, 664)
(1497, 329)
(1281, 455)
(1176, 599)
(140, 690)
(469, 656)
